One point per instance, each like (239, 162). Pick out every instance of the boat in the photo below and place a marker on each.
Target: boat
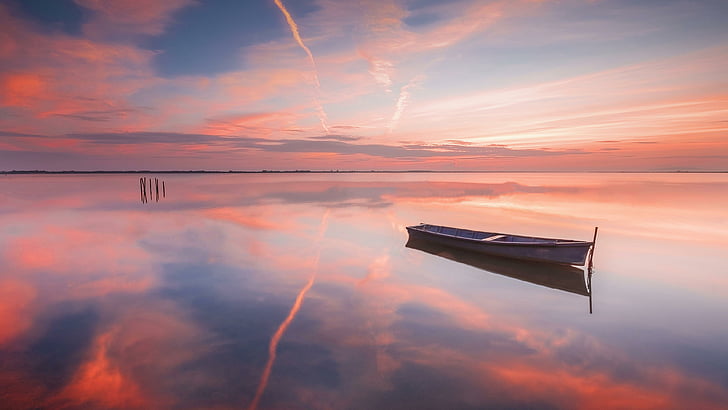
(566, 278)
(561, 277)
(532, 248)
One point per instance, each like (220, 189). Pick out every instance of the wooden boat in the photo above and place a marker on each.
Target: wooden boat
(555, 276)
(551, 250)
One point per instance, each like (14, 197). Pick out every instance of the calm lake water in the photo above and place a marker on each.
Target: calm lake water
(297, 291)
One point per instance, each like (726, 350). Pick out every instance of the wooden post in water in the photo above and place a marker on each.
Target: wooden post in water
(591, 251)
(156, 188)
(164, 190)
(144, 188)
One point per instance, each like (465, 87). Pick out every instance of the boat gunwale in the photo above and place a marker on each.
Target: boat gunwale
(552, 242)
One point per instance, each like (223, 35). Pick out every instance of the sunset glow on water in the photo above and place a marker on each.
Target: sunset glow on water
(204, 204)
(109, 302)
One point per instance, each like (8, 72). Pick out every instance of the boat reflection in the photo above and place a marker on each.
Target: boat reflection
(562, 277)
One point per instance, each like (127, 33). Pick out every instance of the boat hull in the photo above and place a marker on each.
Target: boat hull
(566, 278)
(546, 250)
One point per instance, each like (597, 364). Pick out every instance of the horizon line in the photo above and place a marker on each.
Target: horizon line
(373, 171)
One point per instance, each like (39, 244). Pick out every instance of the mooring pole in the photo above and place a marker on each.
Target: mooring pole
(144, 188)
(591, 251)
(164, 190)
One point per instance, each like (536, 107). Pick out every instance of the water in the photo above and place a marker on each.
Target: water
(297, 291)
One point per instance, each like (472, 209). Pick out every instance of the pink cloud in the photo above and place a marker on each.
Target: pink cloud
(62, 79)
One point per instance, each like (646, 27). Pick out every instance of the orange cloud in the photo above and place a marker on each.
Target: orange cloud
(254, 124)
(71, 83)
(21, 90)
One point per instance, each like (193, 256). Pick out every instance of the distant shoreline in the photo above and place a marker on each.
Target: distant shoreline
(40, 172)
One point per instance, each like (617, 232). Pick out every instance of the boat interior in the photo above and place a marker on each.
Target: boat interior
(488, 236)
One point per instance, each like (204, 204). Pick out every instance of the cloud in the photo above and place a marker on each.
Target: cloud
(644, 101)
(403, 101)
(100, 115)
(380, 69)
(138, 17)
(54, 79)
(182, 145)
(406, 151)
(262, 124)
(332, 137)
(136, 138)
(299, 40)
(104, 82)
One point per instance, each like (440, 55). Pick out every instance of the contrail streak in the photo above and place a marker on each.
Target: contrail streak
(402, 101)
(273, 346)
(294, 30)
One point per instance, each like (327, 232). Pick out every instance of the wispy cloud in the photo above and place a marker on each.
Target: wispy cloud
(294, 30)
(640, 101)
(403, 101)
(380, 69)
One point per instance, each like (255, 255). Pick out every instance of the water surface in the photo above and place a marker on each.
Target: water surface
(297, 291)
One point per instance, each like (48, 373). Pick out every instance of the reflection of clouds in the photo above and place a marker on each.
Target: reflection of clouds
(16, 300)
(101, 382)
(89, 258)
(176, 308)
(129, 364)
(57, 248)
(275, 339)
(241, 217)
(500, 364)
(379, 269)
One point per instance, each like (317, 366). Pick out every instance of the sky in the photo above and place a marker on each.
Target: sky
(526, 85)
